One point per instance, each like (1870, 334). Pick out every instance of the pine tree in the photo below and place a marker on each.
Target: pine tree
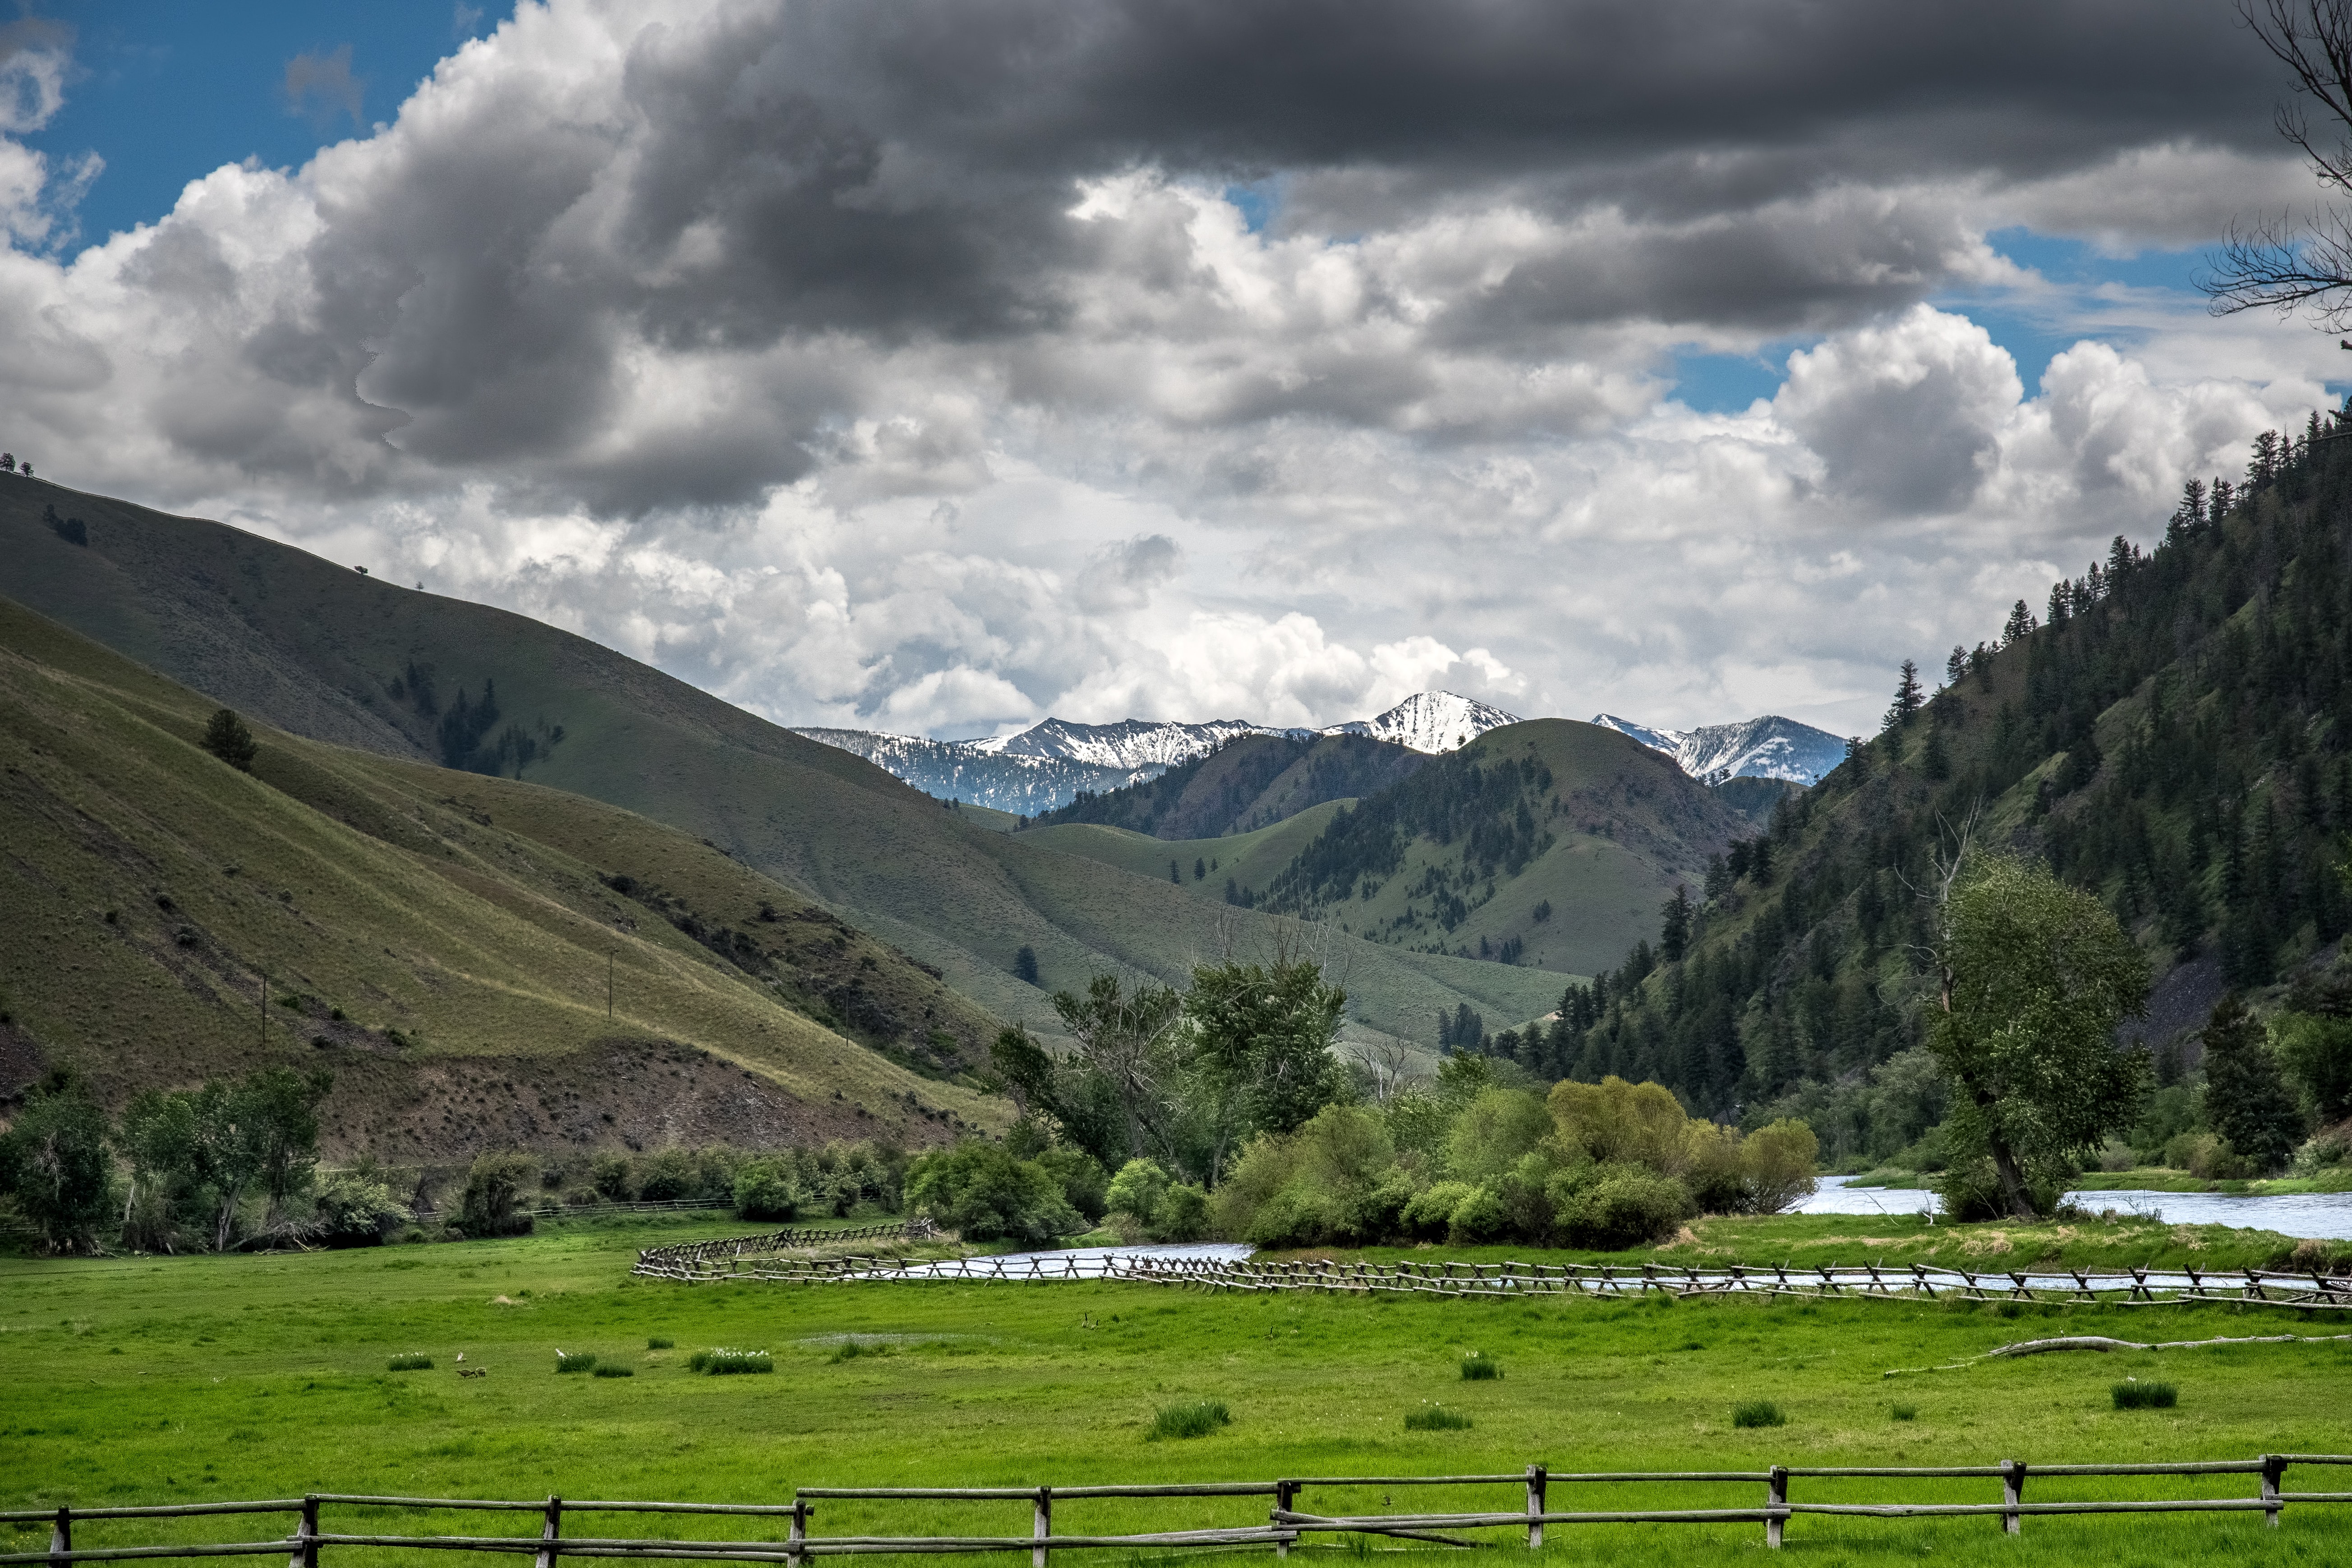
(2019, 625)
(1024, 965)
(1957, 666)
(1908, 697)
(2246, 1099)
(1675, 938)
(226, 737)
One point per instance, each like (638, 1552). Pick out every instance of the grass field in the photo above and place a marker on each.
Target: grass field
(180, 1379)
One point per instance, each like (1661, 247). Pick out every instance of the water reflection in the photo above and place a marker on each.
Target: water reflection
(2326, 1216)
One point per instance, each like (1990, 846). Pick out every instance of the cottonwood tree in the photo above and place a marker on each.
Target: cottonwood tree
(56, 1160)
(2292, 261)
(2032, 979)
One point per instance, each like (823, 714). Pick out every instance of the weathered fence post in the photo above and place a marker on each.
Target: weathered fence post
(61, 1537)
(2013, 1492)
(551, 1528)
(1776, 1496)
(1044, 1526)
(306, 1536)
(796, 1539)
(2272, 1467)
(1284, 1491)
(1536, 1475)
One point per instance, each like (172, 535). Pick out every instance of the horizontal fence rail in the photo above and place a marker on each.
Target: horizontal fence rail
(753, 1260)
(1534, 1490)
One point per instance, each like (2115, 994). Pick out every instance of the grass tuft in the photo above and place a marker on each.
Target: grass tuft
(655, 1342)
(1196, 1418)
(1758, 1413)
(410, 1361)
(1435, 1418)
(1904, 1412)
(616, 1371)
(1480, 1368)
(2133, 1394)
(584, 1361)
(725, 1363)
(850, 1349)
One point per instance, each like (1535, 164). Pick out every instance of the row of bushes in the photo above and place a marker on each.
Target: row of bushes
(1024, 1192)
(502, 1191)
(1603, 1166)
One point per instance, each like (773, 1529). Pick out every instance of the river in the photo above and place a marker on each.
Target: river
(2326, 1216)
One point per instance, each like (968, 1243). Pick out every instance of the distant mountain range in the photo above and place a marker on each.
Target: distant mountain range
(1050, 764)
(1766, 748)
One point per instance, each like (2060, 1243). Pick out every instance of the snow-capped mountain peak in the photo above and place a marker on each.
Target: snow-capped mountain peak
(1430, 722)
(1130, 744)
(1771, 747)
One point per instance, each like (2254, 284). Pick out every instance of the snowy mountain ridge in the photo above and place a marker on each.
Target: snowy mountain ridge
(1046, 765)
(1771, 747)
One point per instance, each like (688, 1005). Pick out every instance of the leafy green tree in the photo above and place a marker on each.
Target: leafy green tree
(283, 1107)
(493, 1200)
(2316, 1052)
(56, 1161)
(2246, 1099)
(1126, 1037)
(226, 737)
(979, 1190)
(1268, 1029)
(2034, 979)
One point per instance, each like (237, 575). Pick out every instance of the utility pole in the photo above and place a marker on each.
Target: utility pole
(608, 985)
(262, 1016)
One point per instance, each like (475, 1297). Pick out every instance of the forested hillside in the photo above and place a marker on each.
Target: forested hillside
(1245, 785)
(2170, 733)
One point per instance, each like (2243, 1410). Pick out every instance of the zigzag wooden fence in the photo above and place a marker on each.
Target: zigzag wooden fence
(749, 1258)
(1533, 1490)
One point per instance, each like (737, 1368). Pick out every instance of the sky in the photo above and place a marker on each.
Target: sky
(937, 366)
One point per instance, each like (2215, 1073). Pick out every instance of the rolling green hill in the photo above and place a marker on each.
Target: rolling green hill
(1246, 784)
(1204, 868)
(443, 941)
(1548, 843)
(322, 650)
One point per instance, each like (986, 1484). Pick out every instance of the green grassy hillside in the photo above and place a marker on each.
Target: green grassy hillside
(1246, 784)
(425, 935)
(1204, 866)
(322, 650)
(1548, 843)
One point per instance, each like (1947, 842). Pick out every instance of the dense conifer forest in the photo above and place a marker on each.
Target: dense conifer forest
(2169, 733)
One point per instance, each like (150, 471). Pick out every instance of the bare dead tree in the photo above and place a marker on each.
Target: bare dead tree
(2293, 261)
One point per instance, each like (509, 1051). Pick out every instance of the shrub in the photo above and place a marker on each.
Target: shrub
(1904, 1412)
(409, 1360)
(1196, 1418)
(723, 1363)
(1776, 1166)
(851, 1349)
(1609, 1208)
(494, 1191)
(767, 1189)
(1478, 1368)
(613, 1177)
(1139, 1189)
(1085, 1183)
(981, 1190)
(1758, 1413)
(2133, 1394)
(659, 1343)
(356, 1208)
(56, 1162)
(1478, 1218)
(613, 1371)
(669, 1175)
(1184, 1216)
(1435, 1418)
(584, 1361)
(1431, 1209)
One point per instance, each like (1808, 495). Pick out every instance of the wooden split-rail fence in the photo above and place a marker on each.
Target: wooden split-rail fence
(754, 1259)
(1535, 1491)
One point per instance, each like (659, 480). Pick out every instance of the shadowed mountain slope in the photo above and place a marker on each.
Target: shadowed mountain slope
(321, 649)
(445, 942)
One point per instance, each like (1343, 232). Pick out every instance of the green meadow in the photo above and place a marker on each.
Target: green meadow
(152, 1379)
